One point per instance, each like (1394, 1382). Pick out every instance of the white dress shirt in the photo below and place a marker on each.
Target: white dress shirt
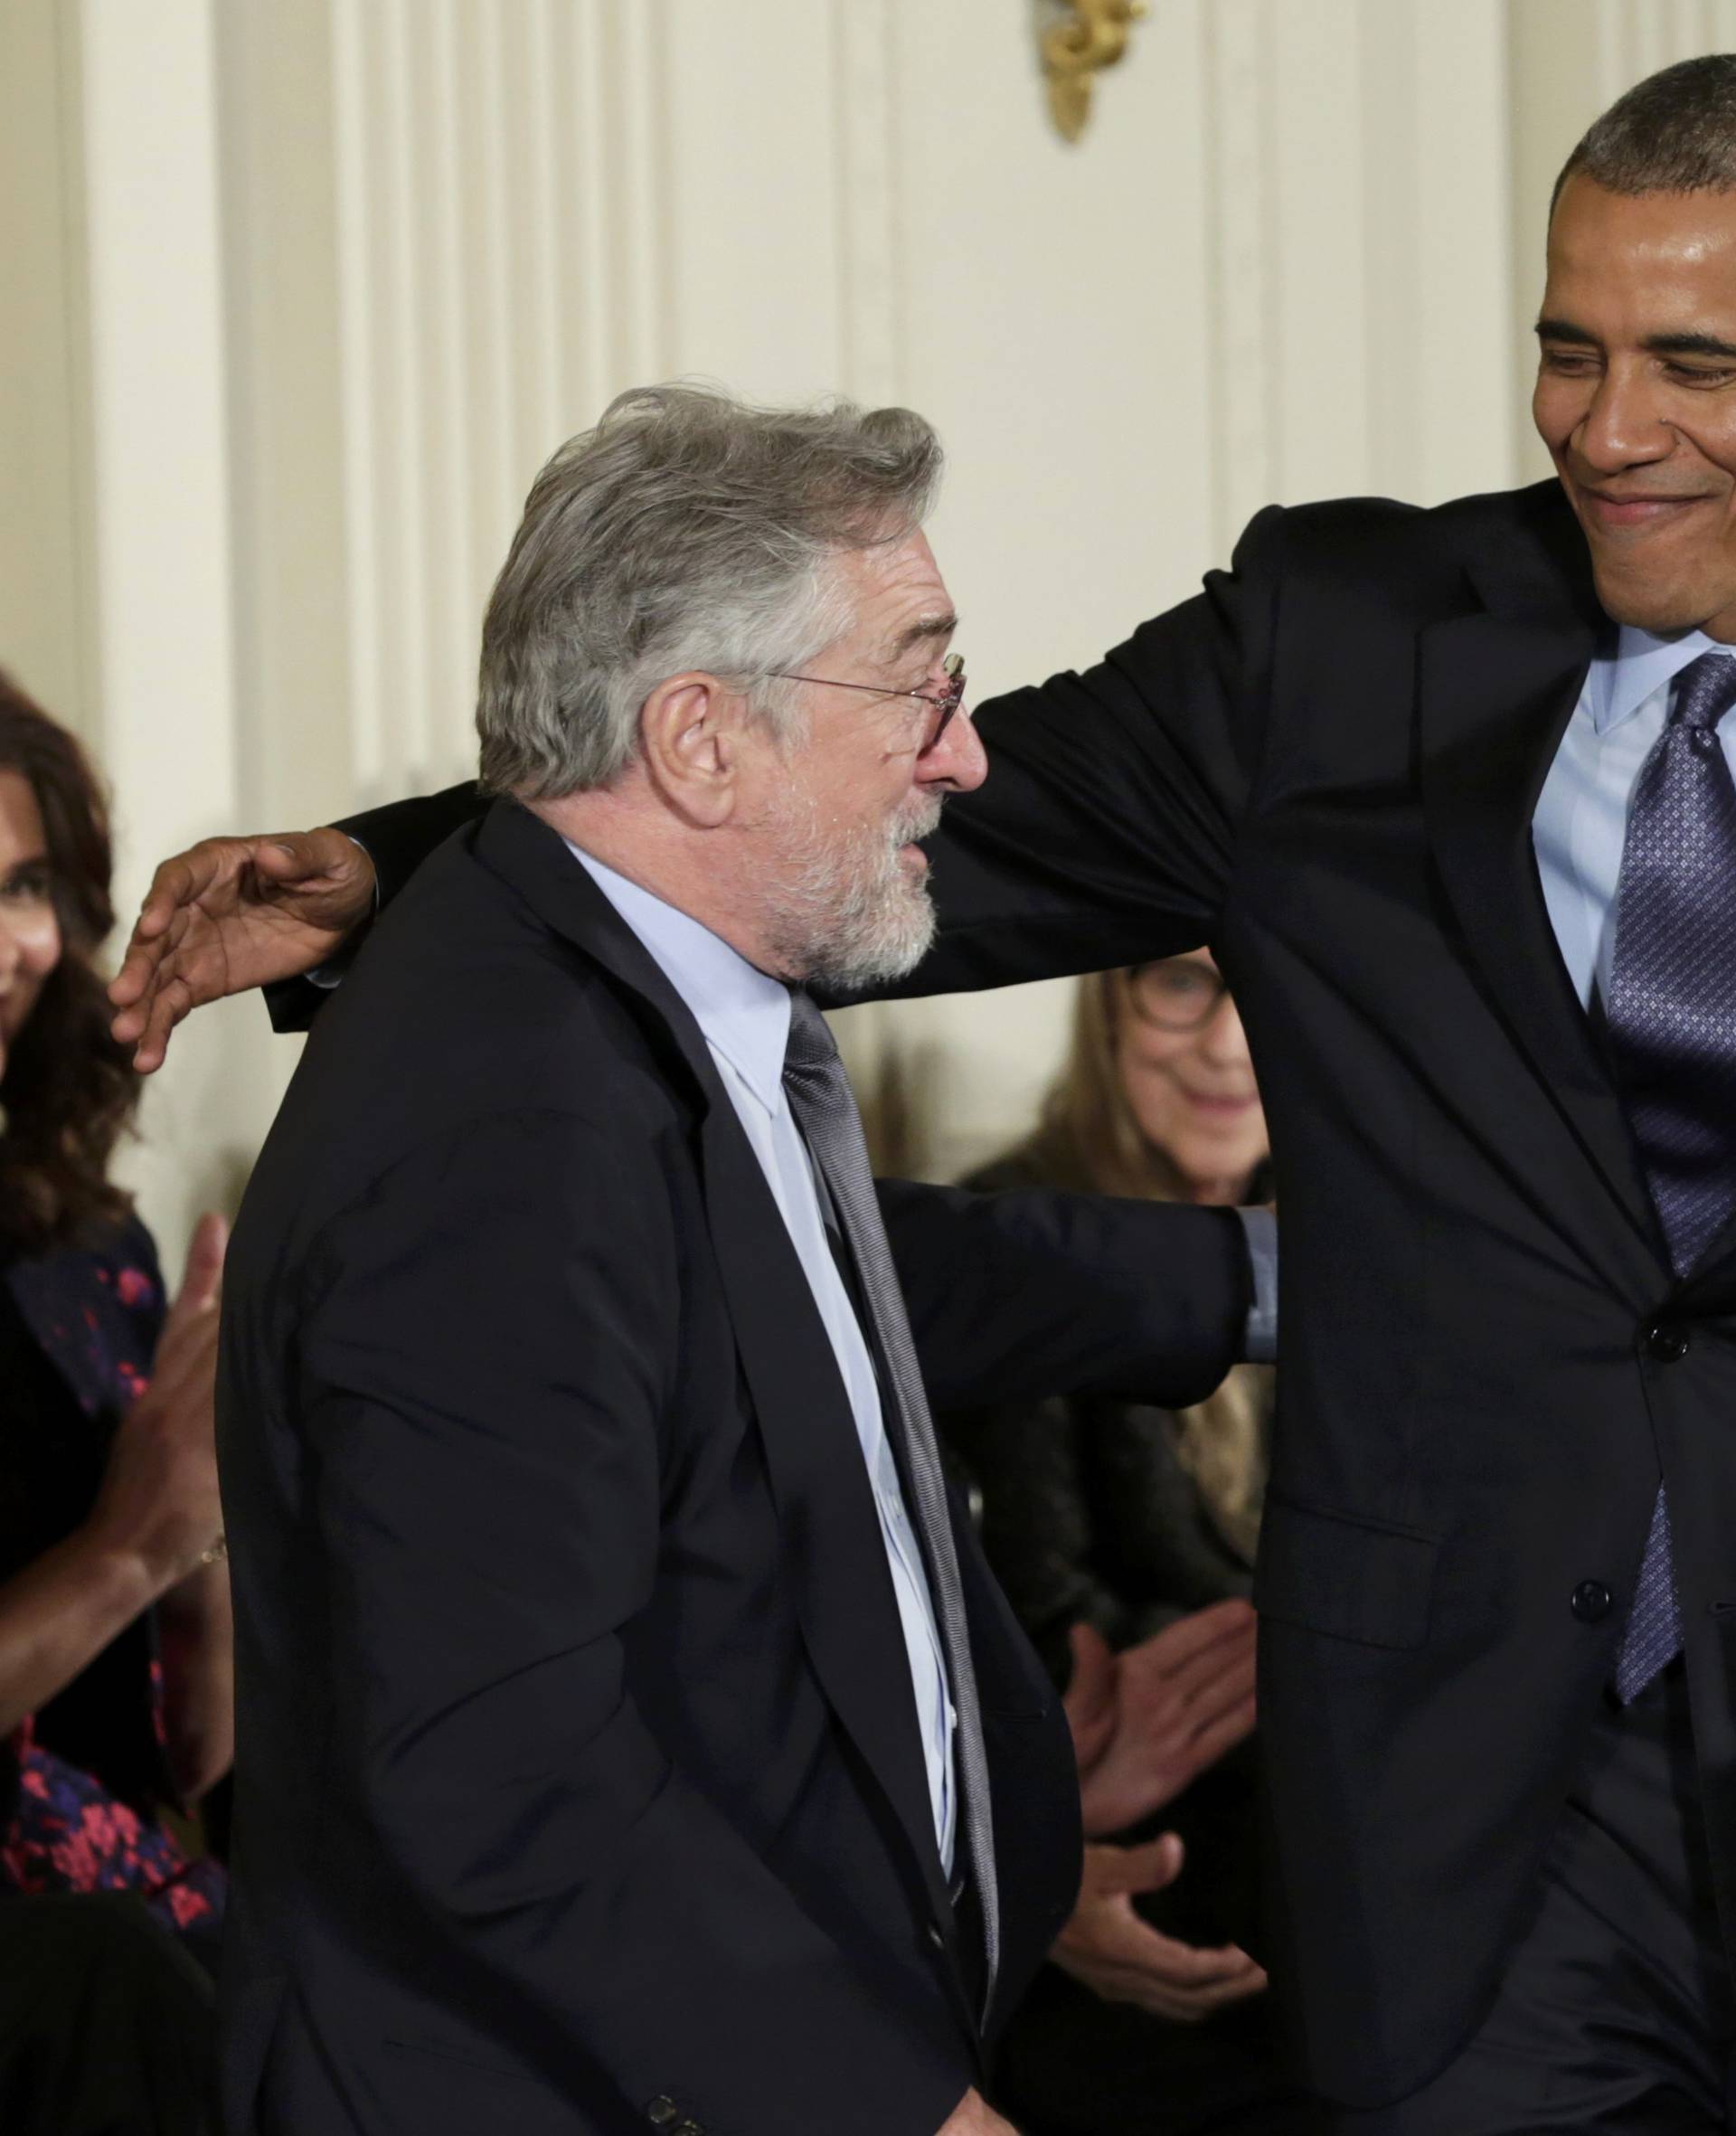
(743, 1016)
(1581, 821)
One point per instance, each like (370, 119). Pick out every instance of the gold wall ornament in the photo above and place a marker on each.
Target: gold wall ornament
(1091, 35)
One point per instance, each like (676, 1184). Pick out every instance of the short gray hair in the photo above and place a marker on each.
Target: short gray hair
(688, 531)
(1674, 132)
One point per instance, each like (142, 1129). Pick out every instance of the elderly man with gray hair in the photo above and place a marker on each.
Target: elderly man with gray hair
(630, 1738)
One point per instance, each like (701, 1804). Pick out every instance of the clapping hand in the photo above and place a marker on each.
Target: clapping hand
(1109, 1949)
(158, 1502)
(233, 914)
(1149, 1721)
(1145, 1723)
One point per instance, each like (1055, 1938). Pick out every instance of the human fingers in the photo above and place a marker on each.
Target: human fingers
(185, 1361)
(1188, 1969)
(325, 859)
(179, 881)
(1150, 1866)
(1166, 1714)
(1121, 1957)
(152, 1021)
(1090, 1698)
(1178, 1644)
(201, 1284)
(1093, 1670)
(1225, 1732)
(1228, 1677)
(1193, 2006)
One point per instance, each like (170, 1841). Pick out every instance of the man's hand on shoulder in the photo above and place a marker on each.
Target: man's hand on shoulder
(229, 915)
(974, 2116)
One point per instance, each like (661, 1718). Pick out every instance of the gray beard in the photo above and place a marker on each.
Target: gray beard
(847, 916)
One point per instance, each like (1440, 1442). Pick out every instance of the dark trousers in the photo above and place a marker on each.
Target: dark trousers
(1615, 2014)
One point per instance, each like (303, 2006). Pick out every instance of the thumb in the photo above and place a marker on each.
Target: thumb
(1150, 1867)
(1091, 1695)
(293, 857)
(1093, 1663)
(203, 1281)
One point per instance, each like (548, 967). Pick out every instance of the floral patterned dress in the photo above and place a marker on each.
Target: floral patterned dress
(83, 1781)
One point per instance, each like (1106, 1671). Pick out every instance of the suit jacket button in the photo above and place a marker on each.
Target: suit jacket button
(1667, 1341)
(661, 2112)
(687, 2129)
(1592, 1601)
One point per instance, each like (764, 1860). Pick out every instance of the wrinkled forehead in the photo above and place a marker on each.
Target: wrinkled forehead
(899, 600)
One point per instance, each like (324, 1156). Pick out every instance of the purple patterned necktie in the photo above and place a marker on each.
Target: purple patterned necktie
(1672, 1020)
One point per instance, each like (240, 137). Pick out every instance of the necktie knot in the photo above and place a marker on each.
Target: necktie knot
(1705, 691)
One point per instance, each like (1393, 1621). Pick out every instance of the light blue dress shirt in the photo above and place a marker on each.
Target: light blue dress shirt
(1580, 821)
(745, 1018)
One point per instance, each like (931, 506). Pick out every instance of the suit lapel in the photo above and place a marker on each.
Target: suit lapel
(1497, 689)
(830, 1530)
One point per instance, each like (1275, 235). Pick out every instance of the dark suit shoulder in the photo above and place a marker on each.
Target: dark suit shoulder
(463, 1007)
(1396, 555)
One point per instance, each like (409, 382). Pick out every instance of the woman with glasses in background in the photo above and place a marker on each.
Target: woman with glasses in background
(1139, 1525)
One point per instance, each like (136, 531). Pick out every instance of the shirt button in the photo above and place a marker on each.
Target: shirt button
(1592, 1601)
(1667, 1342)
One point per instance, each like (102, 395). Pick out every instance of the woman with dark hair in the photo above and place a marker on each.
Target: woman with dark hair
(1140, 1525)
(116, 1706)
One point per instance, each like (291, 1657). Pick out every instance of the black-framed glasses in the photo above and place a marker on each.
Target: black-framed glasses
(1176, 993)
(945, 700)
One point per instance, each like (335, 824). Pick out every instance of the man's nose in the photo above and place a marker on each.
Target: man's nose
(1624, 427)
(957, 762)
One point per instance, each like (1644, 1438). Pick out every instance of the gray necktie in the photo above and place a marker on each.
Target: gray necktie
(825, 1111)
(1672, 1020)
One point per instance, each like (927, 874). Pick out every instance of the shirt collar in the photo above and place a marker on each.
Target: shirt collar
(1639, 666)
(743, 1012)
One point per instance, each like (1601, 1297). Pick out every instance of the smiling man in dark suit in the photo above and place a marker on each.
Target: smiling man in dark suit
(1450, 795)
(630, 1739)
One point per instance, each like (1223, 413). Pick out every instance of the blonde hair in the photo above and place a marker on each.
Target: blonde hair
(1089, 1140)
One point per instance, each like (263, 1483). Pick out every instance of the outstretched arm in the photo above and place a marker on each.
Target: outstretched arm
(229, 915)
(1030, 1293)
(1104, 834)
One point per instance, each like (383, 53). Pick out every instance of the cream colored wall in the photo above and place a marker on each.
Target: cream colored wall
(304, 293)
(44, 620)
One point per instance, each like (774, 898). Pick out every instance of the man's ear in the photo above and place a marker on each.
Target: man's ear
(690, 741)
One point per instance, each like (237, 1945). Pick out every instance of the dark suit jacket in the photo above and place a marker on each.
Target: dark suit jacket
(1325, 767)
(578, 1780)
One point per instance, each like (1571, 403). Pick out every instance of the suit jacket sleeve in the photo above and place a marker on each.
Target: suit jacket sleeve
(1105, 832)
(1030, 1293)
(485, 1355)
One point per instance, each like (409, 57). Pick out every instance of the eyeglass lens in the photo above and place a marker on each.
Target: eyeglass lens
(1176, 993)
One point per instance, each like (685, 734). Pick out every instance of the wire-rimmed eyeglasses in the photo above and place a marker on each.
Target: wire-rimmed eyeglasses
(946, 701)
